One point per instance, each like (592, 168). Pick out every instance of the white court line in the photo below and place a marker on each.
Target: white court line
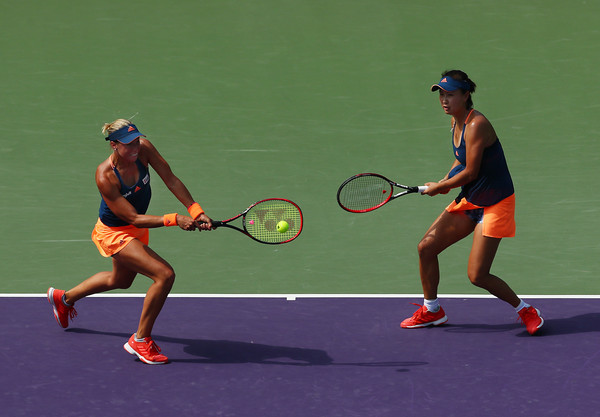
(292, 297)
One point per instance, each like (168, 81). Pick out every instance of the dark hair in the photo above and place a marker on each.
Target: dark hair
(462, 76)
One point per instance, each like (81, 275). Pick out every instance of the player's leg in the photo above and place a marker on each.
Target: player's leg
(481, 257)
(446, 230)
(63, 301)
(140, 258)
(119, 278)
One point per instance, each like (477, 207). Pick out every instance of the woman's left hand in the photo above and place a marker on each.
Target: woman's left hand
(203, 222)
(434, 188)
(186, 222)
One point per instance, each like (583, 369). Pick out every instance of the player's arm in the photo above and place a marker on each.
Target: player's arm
(480, 134)
(173, 183)
(432, 186)
(454, 165)
(109, 188)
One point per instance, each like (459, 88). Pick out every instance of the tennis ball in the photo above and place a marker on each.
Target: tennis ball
(282, 226)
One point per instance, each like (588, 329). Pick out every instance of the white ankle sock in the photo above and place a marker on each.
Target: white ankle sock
(521, 306)
(432, 305)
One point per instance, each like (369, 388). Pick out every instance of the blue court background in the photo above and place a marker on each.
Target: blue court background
(249, 100)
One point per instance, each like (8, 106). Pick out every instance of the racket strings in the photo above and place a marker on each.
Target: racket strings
(364, 193)
(262, 219)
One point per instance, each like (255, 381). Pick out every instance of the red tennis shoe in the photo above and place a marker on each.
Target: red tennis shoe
(148, 351)
(62, 312)
(424, 317)
(531, 318)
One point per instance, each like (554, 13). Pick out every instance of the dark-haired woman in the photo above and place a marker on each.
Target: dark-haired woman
(485, 206)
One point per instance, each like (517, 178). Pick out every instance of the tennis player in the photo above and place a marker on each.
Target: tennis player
(122, 233)
(485, 206)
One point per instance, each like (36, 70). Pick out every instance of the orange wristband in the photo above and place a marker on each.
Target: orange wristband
(170, 219)
(195, 210)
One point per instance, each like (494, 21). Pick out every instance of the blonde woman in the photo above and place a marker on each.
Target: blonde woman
(121, 233)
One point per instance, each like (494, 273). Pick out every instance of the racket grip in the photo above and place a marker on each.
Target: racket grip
(215, 223)
(422, 188)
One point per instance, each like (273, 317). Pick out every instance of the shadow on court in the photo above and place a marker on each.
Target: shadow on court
(232, 352)
(584, 323)
(226, 351)
(480, 328)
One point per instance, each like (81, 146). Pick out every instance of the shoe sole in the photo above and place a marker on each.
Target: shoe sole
(50, 295)
(132, 351)
(431, 323)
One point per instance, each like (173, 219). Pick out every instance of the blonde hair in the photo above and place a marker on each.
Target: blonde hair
(108, 128)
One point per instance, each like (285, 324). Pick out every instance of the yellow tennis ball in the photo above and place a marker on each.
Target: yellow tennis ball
(282, 226)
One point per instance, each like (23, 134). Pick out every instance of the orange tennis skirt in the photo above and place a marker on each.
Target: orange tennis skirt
(498, 220)
(110, 240)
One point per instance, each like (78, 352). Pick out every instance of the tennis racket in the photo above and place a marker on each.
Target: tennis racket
(260, 221)
(366, 192)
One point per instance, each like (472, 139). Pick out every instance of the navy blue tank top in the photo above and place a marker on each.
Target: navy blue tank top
(493, 184)
(138, 195)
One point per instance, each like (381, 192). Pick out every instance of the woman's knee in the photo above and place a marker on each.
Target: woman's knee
(427, 248)
(477, 277)
(166, 276)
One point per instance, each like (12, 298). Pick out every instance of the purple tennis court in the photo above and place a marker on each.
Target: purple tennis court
(308, 357)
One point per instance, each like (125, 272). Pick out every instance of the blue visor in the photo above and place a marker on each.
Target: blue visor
(451, 84)
(125, 135)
